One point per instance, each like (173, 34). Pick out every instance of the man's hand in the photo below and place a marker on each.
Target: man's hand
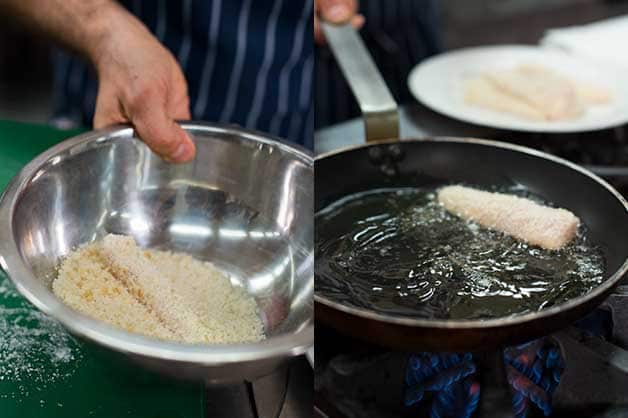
(335, 11)
(139, 80)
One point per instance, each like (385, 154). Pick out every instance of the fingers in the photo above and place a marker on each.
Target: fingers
(319, 38)
(160, 132)
(179, 105)
(337, 11)
(357, 22)
(108, 111)
(180, 110)
(166, 138)
(153, 120)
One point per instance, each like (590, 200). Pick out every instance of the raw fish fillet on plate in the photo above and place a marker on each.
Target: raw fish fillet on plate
(533, 92)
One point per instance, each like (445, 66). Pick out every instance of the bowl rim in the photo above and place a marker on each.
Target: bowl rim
(107, 335)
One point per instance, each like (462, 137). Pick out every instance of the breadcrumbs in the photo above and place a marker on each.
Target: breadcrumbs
(162, 294)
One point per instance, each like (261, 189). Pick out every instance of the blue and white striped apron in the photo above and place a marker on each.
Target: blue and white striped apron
(248, 62)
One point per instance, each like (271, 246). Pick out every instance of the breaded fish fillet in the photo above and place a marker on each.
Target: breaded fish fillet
(521, 218)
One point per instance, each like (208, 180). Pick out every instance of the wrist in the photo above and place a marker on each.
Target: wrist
(107, 31)
(98, 27)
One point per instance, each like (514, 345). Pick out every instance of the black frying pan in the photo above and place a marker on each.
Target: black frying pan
(415, 163)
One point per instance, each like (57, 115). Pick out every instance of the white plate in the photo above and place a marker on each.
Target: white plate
(438, 84)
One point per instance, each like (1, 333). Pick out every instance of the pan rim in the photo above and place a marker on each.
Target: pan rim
(468, 324)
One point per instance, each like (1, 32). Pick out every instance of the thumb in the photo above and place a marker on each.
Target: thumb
(161, 133)
(337, 11)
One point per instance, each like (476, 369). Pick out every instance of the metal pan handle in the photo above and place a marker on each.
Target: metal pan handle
(381, 119)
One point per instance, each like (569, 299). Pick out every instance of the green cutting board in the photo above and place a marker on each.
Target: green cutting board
(45, 372)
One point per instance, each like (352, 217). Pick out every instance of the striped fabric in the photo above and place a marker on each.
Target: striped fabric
(248, 62)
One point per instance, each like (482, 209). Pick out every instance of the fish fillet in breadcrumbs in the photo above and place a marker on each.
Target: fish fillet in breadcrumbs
(521, 218)
(156, 293)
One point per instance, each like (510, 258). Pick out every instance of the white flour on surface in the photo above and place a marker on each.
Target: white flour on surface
(35, 350)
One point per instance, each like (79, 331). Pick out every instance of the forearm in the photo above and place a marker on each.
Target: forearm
(139, 80)
(81, 25)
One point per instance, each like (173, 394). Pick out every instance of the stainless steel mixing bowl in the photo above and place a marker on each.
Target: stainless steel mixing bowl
(245, 203)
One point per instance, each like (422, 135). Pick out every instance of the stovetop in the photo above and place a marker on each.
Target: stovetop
(287, 393)
(353, 379)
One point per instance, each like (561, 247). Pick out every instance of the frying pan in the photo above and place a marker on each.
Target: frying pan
(385, 161)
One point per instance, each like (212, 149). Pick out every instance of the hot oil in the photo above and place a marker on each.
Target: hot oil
(398, 251)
